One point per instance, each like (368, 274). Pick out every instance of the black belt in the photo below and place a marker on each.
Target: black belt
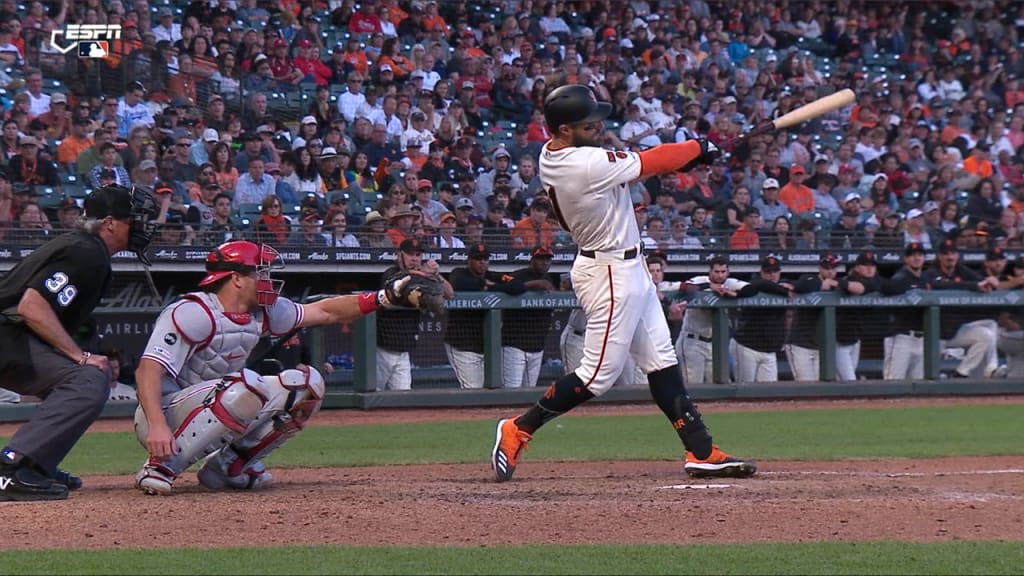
(914, 333)
(627, 255)
(577, 332)
(701, 338)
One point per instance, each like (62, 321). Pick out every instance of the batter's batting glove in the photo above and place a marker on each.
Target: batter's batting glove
(709, 152)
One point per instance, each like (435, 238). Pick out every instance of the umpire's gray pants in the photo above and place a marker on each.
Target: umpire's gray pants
(73, 397)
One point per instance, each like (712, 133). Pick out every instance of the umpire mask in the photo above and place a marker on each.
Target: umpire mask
(134, 204)
(143, 216)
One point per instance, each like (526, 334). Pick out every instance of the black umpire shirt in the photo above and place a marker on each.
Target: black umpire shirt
(71, 272)
(464, 329)
(526, 330)
(763, 329)
(398, 329)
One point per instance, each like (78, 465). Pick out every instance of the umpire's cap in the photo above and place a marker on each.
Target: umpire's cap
(573, 104)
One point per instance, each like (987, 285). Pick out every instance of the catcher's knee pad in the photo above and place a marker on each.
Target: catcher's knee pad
(206, 417)
(300, 395)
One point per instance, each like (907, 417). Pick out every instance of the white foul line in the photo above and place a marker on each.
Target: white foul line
(892, 474)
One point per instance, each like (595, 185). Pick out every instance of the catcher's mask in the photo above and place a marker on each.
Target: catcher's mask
(246, 257)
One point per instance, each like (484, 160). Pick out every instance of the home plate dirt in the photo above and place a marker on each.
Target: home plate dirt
(974, 498)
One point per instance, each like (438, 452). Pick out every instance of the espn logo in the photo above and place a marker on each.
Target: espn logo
(92, 40)
(93, 49)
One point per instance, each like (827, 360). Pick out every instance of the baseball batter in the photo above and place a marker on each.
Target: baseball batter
(195, 397)
(589, 191)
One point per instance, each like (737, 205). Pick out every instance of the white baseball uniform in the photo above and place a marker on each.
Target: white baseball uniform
(571, 345)
(211, 403)
(589, 190)
(694, 343)
(196, 341)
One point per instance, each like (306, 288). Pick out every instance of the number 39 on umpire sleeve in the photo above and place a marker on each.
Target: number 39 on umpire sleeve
(58, 284)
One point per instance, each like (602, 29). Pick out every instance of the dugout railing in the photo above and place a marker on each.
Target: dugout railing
(362, 376)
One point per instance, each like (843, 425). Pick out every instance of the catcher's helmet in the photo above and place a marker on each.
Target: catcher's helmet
(573, 104)
(246, 257)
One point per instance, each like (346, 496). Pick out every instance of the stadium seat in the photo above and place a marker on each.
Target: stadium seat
(249, 210)
(76, 190)
(48, 199)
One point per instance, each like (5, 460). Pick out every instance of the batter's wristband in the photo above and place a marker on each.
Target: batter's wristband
(368, 302)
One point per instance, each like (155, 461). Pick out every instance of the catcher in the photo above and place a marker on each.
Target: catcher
(195, 398)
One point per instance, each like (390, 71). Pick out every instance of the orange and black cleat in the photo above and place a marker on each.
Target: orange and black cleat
(718, 465)
(509, 442)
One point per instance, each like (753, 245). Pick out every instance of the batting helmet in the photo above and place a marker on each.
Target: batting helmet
(246, 257)
(573, 104)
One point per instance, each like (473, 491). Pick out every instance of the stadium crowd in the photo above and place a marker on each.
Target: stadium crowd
(363, 125)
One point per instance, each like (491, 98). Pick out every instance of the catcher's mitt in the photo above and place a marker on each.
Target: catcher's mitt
(414, 291)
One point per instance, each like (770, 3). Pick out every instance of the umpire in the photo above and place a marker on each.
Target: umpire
(43, 300)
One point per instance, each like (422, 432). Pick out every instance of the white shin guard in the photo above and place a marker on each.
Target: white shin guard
(205, 418)
(238, 465)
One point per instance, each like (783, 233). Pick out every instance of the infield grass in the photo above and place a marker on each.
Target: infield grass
(807, 558)
(828, 434)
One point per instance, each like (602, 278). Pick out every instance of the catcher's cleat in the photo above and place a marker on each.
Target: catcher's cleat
(718, 465)
(68, 479)
(155, 480)
(214, 475)
(509, 442)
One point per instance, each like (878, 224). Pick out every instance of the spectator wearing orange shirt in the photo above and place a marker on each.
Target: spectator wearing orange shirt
(534, 229)
(121, 47)
(865, 112)
(403, 221)
(746, 236)
(433, 21)
(390, 53)
(978, 163)
(354, 56)
(797, 197)
(395, 12)
(76, 143)
(952, 129)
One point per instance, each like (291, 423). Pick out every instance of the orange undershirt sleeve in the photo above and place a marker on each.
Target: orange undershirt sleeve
(668, 157)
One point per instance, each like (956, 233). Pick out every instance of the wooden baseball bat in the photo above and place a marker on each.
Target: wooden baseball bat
(800, 115)
(814, 109)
